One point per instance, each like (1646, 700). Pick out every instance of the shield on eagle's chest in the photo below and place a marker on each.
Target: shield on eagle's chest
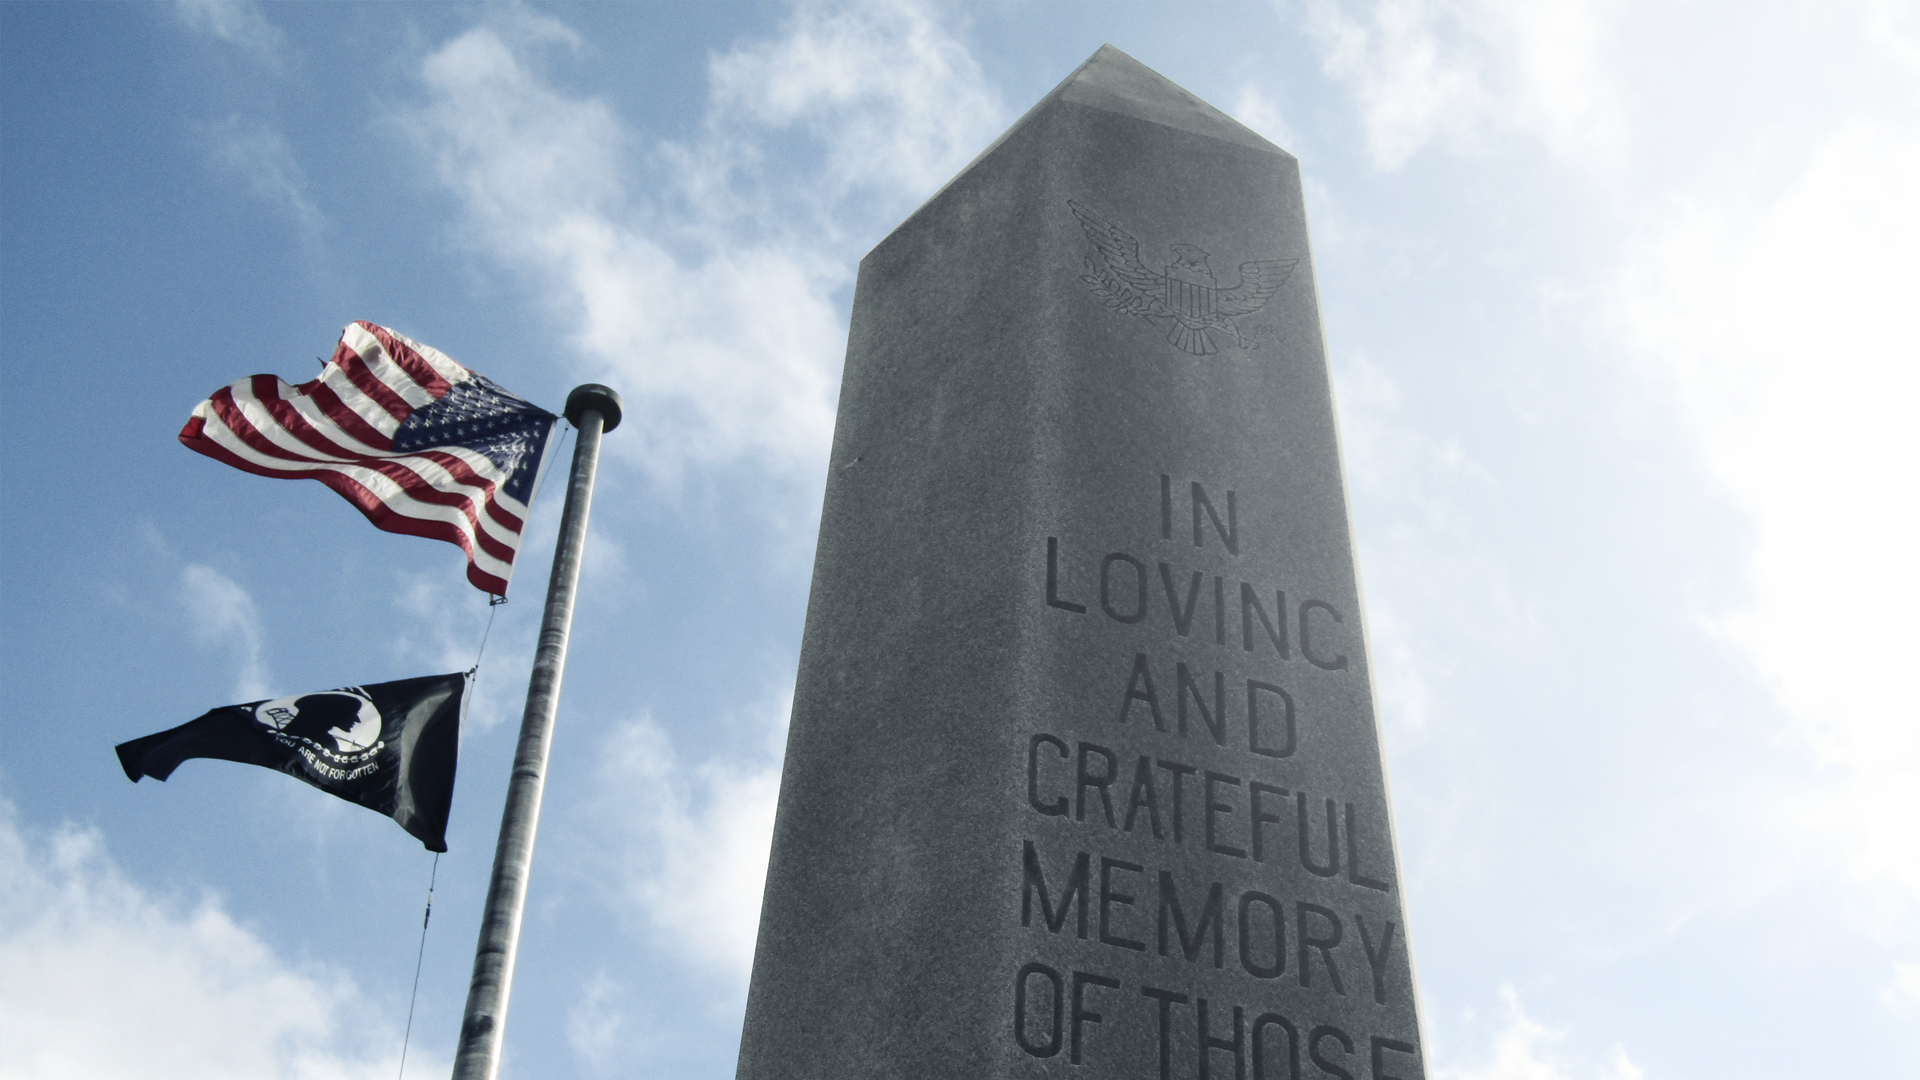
(1190, 300)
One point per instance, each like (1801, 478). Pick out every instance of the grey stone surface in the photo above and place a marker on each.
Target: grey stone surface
(1108, 314)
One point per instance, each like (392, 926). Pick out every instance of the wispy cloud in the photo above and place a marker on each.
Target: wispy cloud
(720, 327)
(1453, 73)
(1524, 1050)
(896, 103)
(99, 977)
(696, 837)
(240, 23)
(222, 614)
(1786, 336)
(259, 156)
(595, 1023)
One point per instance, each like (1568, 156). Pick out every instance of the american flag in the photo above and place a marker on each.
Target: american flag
(415, 440)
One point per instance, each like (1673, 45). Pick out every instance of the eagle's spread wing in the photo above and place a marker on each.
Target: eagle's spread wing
(1258, 282)
(1128, 283)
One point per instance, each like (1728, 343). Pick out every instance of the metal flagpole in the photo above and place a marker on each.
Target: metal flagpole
(593, 410)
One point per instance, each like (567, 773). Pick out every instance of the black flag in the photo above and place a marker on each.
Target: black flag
(390, 747)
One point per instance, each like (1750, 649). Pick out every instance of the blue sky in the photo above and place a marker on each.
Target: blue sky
(1619, 298)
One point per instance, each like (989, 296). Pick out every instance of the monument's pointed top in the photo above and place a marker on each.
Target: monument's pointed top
(1115, 82)
(1112, 80)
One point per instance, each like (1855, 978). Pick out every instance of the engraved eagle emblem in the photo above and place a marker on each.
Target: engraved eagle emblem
(1186, 295)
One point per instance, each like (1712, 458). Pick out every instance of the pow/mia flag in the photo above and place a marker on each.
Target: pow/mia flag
(390, 747)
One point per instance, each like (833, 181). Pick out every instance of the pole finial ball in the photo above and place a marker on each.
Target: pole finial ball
(601, 399)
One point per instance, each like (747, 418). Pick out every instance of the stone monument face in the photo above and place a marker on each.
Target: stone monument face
(1084, 776)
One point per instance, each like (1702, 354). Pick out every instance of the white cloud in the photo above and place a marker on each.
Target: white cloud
(236, 22)
(716, 320)
(222, 614)
(594, 1025)
(1904, 990)
(99, 978)
(1523, 1050)
(1788, 337)
(1452, 72)
(1257, 109)
(898, 104)
(696, 837)
(258, 155)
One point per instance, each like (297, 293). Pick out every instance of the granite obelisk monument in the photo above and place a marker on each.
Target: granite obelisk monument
(1084, 777)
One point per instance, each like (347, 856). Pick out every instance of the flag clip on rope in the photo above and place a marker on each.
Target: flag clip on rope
(419, 443)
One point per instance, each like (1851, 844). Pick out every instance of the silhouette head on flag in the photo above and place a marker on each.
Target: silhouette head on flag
(419, 443)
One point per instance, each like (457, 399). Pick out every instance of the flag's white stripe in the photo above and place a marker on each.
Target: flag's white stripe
(429, 472)
(383, 488)
(450, 369)
(325, 425)
(258, 414)
(510, 504)
(383, 367)
(356, 399)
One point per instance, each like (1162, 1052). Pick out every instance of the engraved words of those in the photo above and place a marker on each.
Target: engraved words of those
(1256, 833)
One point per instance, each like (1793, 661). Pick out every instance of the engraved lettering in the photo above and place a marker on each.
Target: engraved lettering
(1167, 999)
(1377, 961)
(1053, 580)
(1182, 610)
(1250, 609)
(1035, 882)
(1020, 1035)
(1081, 1014)
(1178, 772)
(1214, 806)
(1057, 807)
(1139, 588)
(1208, 1044)
(1254, 689)
(1260, 1024)
(1339, 662)
(1323, 943)
(1278, 916)
(1332, 866)
(1216, 718)
(1109, 897)
(1098, 783)
(1260, 817)
(1143, 796)
(1314, 1040)
(1140, 688)
(1230, 532)
(1353, 858)
(1380, 1044)
(1210, 917)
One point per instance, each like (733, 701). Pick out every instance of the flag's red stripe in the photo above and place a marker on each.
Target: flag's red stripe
(409, 481)
(350, 422)
(414, 364)
(234, 419)
(430, 481)
(356, 370)
(383, 516)
(504, 516)
(461, 469)
(266, 390)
